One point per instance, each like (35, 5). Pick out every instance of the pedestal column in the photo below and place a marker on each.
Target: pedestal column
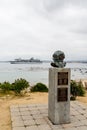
(59, 95)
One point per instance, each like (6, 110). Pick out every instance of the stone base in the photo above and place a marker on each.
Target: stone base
(60, 114)
(58, 105)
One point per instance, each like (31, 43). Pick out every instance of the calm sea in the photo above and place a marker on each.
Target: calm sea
(35, 73)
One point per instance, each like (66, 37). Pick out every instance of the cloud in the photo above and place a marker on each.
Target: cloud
(38, 28)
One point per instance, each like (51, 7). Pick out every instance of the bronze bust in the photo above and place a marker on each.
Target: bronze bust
(58, 58)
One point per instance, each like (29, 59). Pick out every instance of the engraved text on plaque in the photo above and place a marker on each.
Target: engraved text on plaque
(62, 94)
(62, 78)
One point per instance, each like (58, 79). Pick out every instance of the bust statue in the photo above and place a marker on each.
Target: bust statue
(58, 58)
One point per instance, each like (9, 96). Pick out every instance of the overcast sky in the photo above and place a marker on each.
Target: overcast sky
(37, 28)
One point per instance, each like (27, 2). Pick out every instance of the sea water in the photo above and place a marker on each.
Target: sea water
(35, 73)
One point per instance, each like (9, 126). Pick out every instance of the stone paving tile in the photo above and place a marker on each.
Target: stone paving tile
(32, 128)
(72, 128)
(26, 117)
(65, 126)
(80, 117)
(57, 127)
(19, 128)
(15, 113)
(53, 127)
(17, 124)
(84, 122)
(44, 111)
(75, 113)
(40, 121)
(23, 109)
(29, 123)
(82, 128)
(25, 113)
(73, 119)
(44, 127)
(16, 118)
(14, 109)
(35, 117)
(35, 112)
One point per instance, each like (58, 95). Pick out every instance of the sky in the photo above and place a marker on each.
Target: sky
(38, 28)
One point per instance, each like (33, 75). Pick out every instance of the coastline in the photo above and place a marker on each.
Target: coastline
(10, 72)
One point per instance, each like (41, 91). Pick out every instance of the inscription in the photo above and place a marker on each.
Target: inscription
(62, 78)
(62, 94)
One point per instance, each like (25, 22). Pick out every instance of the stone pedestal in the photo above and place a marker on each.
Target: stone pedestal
(59, 95)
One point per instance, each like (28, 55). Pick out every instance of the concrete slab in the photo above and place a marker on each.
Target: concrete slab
(35, 117)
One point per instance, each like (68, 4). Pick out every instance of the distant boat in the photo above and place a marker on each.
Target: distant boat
(25, 61)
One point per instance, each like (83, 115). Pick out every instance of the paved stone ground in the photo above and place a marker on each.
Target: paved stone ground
(35, 117)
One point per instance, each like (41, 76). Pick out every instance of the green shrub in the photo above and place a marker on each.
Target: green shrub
(39, 87)
(19, 85)
(81, 89)
(5, 87)
(74, 88)
(77, 89)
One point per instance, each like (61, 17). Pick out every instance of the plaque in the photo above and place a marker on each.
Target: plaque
(62, 78)
(62, 94)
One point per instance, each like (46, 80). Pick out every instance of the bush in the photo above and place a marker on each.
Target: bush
(5, 87)
(39, 87)
(19, 85)
(77, 89)
(73, 88)
(81, 89)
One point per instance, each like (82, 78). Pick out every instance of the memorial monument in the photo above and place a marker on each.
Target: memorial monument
(59, 90)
